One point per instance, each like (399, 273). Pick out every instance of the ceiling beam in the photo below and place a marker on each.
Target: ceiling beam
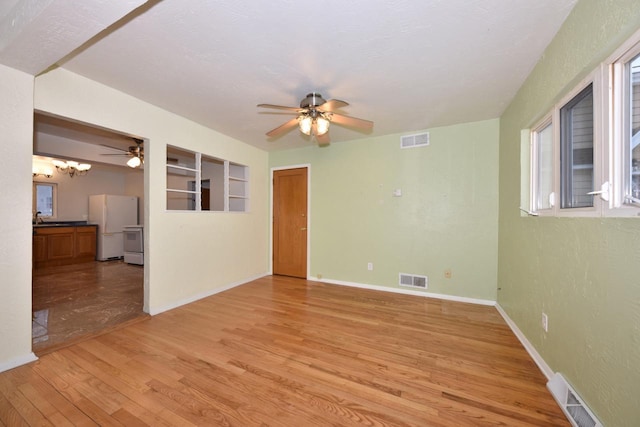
(35, 34)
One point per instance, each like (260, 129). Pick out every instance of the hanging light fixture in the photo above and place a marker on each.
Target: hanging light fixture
(134, 162)
(307, 120)
(71, 167)
(322, 125)
(305, 124)
(38, 171)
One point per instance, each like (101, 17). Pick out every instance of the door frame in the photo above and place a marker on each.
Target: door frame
(279, 168)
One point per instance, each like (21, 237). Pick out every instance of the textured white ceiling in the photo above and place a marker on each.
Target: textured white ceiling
(405, 64)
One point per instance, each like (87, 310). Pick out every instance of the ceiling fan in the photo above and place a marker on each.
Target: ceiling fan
(136, 152)
(314, 116)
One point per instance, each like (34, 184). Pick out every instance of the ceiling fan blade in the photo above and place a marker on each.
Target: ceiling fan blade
(323, 139)
(112, 148)
(281, 107)
(283, 128)
(332, 105)
(353, 122)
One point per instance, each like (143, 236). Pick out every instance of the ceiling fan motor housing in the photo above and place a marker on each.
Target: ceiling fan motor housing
(312, 100)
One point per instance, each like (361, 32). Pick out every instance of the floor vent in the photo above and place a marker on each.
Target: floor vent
(572, 405)
(417, 140)
(413, 281)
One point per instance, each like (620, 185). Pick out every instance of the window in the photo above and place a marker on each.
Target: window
(624, 111)
(587, 149)
(45, 199)
(576, 151)
(196, 182)
(632, 175)
(564, 156)
(542, 153)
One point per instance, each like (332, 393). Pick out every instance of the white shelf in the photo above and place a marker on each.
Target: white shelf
(184, 168)
(181, 191)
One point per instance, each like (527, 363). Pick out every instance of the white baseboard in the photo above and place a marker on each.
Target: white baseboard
(196, 297)
(405, 291)
(546, 370)
(18, 361)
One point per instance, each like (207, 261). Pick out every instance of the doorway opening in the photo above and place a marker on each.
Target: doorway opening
(74, 295)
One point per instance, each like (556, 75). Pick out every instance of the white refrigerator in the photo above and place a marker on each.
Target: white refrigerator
(112, 213)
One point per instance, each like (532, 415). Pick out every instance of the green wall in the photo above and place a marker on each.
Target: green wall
(446, 217)
(584, 273)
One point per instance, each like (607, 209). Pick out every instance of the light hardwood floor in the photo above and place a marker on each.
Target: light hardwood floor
(286, 352)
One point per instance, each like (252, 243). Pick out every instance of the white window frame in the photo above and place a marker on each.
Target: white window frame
(618, 119)
(535, 167)
(553, 117)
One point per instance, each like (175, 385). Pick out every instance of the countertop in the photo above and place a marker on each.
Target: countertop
(64, 224)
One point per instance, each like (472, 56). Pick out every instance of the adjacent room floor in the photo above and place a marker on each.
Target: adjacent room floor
(72, 302)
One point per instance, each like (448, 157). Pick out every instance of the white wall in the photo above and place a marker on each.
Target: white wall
(190, 254)
(16, 131)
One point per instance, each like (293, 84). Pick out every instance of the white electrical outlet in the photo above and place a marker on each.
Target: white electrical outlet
(370, 266)
(545, 322)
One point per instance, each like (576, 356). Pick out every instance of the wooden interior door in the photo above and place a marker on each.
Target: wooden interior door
(290, 222)
(205, 199)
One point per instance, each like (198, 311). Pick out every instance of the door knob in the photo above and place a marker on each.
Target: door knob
(303, 228)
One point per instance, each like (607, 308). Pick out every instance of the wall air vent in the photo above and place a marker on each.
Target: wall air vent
(417, 140)
(571, 404)
(413, 281)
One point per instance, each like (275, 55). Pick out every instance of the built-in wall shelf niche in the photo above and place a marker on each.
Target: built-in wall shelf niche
(199, 182)
(238, 193)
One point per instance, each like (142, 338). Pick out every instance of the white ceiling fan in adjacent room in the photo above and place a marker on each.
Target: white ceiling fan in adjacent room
(136, 152)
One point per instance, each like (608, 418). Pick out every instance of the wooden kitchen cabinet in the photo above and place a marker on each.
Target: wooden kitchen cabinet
(85, 244)
(53, 246)
(39, 249)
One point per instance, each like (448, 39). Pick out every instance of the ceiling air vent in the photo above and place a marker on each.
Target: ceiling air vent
(572, 405)
(413, 281)
(417, 140)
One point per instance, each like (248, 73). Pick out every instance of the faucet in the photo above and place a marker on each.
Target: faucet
(38, 219)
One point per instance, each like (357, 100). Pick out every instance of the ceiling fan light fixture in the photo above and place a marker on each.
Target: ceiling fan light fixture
(134, 162)
(322, 125)
(305, 124)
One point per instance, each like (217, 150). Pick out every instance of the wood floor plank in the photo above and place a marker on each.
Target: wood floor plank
(9, 415)
(286, 352)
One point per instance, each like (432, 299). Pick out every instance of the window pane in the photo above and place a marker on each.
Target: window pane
(576, 151)
(44, 199)
(544, 178)
(634, 77)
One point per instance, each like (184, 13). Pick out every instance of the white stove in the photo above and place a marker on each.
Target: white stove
(133, 244)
